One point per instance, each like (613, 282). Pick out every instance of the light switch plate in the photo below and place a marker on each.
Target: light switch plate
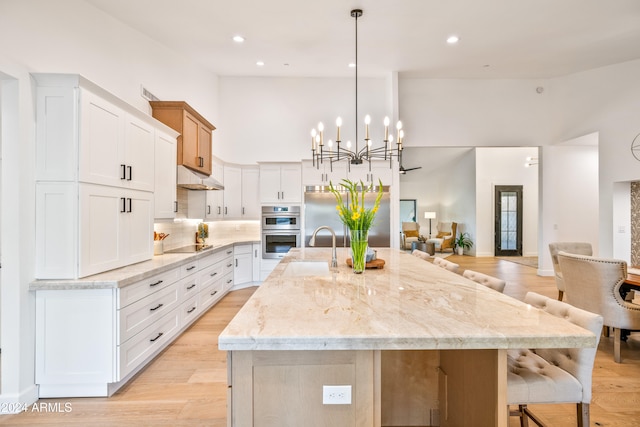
(336, 395)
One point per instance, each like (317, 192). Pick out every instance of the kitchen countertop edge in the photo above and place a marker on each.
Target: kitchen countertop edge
(124, 276)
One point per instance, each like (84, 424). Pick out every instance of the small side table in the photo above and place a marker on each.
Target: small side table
(421, 246)
(430, 248)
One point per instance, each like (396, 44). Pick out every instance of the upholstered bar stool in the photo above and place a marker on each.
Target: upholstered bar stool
(553, 375)
(580, 248)
(594, 284)
(486, 280)
(448, 265)
(422, 255)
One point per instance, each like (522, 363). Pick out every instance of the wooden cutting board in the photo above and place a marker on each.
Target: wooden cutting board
(376, 263)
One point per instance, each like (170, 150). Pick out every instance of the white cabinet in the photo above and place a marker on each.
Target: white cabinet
(90, 342)
(243, 264)
(238, 200)
(368, 174)
(232, 192)
(280, 183)
(165, 194)
(323, 173)
(255, 255)
(251, 192)
(116, 147)
(95, 178)
(115, 228)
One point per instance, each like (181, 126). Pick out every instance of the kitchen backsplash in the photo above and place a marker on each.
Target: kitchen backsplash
(182, 232)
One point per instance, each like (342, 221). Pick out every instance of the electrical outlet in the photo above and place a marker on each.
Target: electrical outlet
(336, 395)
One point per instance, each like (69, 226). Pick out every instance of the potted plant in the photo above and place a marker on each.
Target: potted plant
(463, 241)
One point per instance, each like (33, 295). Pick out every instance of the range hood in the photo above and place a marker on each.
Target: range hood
(193, 180)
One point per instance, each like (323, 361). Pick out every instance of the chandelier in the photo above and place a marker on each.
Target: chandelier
(356, 155)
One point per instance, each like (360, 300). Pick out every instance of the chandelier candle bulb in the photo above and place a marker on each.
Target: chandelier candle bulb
(338, 124)
(386, 129)
(399, 128)
(313, 139)
(367, 120)
(321, 131)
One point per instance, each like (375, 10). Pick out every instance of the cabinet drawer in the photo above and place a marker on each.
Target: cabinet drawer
(242, 249)
(141, 289)
(217, 256)
(189, 268)
(188, 287)
(143, 313)
(153, 338)
(227, 266)
(210, 275)
(211, 294)
(189, 310)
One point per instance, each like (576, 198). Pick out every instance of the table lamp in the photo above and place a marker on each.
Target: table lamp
(429, 216)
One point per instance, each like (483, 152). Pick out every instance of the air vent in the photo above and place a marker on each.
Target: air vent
(148, 95)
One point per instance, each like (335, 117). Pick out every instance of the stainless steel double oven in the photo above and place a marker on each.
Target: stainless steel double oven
(280, 230)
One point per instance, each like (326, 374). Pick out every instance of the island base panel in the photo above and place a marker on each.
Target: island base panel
(473, 388)
(276, 388)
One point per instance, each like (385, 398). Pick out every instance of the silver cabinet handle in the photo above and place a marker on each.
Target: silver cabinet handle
(236, 263)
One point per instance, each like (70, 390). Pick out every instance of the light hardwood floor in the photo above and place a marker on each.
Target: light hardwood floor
(186, 385)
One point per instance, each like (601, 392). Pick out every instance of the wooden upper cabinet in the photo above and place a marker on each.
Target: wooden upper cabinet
(194, 142)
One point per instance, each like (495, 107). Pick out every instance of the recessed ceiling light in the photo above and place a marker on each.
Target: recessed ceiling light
(260, 63)
(352, 65)
(238, 39)
(453, 39)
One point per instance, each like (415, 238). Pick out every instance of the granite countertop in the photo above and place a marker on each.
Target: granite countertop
(409, 304)
(133, 273)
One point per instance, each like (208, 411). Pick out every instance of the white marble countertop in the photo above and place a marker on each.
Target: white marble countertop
(409, 304)
(133, 273)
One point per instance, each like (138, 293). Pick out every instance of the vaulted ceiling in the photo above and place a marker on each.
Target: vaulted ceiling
(498, 38)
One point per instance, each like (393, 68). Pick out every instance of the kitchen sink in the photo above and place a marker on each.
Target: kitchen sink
(307, 268)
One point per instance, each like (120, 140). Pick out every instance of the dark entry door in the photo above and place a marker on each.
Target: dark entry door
(508, 220)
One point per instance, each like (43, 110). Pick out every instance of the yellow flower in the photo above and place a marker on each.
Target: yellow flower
(375, 209)
(355, 216)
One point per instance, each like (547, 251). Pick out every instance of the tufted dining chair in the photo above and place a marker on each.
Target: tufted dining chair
(553, 375)
(422, 255)
(486, 280)
(448, 265)
(580, 248)
(593, 284)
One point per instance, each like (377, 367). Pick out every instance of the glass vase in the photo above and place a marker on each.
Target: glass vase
(359, 242)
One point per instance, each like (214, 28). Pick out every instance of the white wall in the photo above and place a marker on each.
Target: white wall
(605, 100)
(505, 166)
(466, 113)
(271, 118)
(569, 200)
(71, 36)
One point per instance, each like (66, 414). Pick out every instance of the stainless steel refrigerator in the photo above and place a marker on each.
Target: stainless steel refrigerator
(320, 209)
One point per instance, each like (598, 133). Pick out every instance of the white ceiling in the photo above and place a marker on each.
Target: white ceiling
(499, 38)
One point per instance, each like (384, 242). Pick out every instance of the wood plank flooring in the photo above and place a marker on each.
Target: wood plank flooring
(186, 385)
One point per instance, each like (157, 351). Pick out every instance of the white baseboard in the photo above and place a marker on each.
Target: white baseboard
(244, 285)
(16, 403)
(542, 272)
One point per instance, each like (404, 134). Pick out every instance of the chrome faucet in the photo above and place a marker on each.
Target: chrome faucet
(312, 242)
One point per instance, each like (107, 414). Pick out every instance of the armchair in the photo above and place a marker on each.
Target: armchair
(410, 233)
(446, 237)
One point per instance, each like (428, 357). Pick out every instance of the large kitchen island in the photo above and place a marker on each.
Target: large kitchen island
(410, 339)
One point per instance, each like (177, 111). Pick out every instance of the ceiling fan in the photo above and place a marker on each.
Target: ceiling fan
(403, 171)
